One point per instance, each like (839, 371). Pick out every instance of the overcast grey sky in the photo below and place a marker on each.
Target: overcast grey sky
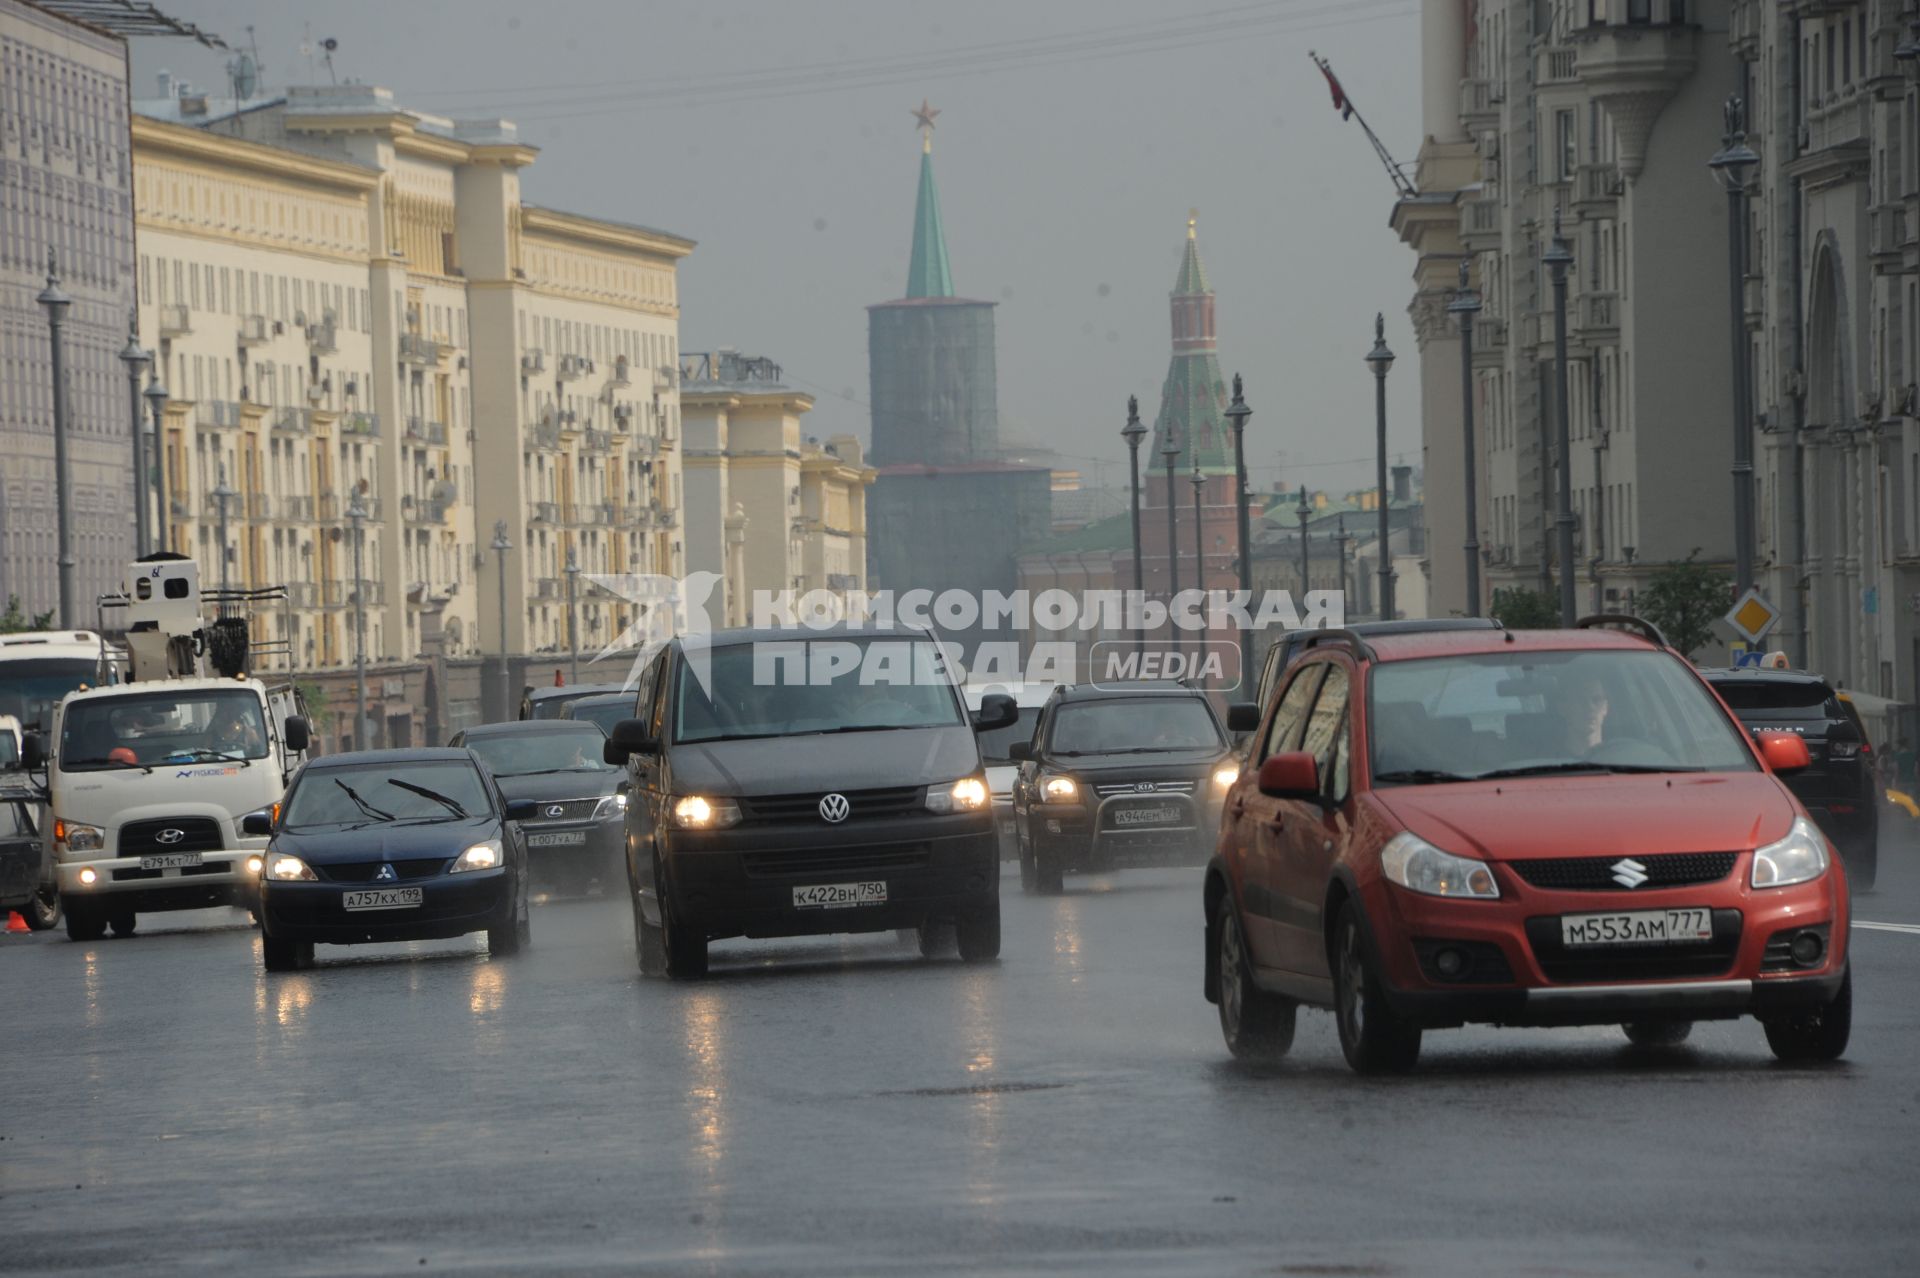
(1073, 137)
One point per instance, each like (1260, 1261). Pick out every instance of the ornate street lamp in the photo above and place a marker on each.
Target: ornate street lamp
(136, 361)
(501, 545)
(1133, 432)
(1557, 259)
(156, 396)
(357, 513)
(1170, 453)
(1199, 482)
(1380, 359)
(1237, 414)
(1466, 304)
(56, 304)
(572, 571)
(1305, 513)
(1733, 165)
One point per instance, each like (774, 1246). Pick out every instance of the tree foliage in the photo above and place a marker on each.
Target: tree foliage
(13, 621)
(1522, 609)
(1684, 599)
(315, 698)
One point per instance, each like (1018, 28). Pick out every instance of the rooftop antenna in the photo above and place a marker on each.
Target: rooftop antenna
(330, 44)
(306, 50)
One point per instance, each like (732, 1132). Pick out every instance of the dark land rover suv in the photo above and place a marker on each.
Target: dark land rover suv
(1118, 775)
(1839, 790)
(796, 782)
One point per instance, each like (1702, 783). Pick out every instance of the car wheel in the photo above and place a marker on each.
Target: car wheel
(1029, 879)
(685, 951)
(123, 924)
(935, 939)
(977, 933)
(1657, 1033)
(84, 924)
(649, 943)
(1374, 1040)
(1815, 1036)
(42, 911)
(1048, 878)
(277, 955)
(1258, 1026)
(511, 937)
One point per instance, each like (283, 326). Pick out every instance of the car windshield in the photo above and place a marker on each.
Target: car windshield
(601, 714)
(563, 747)
(995, 744)
(1515, 713)
(31, 687)
(163, 727)
(791, 687)
(1134, 724)
(356, 794)
(1770, 700)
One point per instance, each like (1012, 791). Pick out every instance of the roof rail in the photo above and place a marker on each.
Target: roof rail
(1622, 621)
(1359, 647)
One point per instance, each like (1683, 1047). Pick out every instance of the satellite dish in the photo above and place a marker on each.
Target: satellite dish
(333, 534)
(245, 74)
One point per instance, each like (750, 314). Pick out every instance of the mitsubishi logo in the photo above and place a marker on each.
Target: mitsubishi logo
(385, 875)
(1144, 787)
(834, 809)
(556, 810)
(1628, 873)
(169, 836)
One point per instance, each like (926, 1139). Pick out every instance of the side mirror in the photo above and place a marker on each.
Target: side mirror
(628, 738)
(257, 823)
(33, 752)
(625, 787)
(1020, 751)
(297, 733)
(522, 809)
(1290, 776)
(997, 710)
(1785, 752)
(1243, 716)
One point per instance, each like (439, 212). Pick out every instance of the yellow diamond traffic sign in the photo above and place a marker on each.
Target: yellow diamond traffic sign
(1752, 616)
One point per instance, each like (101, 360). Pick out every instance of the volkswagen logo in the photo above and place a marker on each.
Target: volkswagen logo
(385, 875)
(169, 836)
(1144, 787)
(1629, 873)
(556, 810)
(834, 809)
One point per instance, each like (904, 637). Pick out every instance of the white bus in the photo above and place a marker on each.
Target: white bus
(39, 668)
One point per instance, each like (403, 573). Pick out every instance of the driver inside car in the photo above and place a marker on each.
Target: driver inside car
(1580, 704)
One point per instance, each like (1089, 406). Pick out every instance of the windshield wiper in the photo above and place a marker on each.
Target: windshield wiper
(435, 795)
(361, 803)
(547, 772)
(1421, 776)
(868, 727)
(207, 752)
(97, 763)
(1575, 765)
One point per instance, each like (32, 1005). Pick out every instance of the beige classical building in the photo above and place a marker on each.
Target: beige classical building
(1607, 111)
(768, 507)
(352, 298)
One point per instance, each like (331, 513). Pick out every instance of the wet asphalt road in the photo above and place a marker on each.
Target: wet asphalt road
(848, 1108)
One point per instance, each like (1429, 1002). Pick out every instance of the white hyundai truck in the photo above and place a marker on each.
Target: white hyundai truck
(148, 780)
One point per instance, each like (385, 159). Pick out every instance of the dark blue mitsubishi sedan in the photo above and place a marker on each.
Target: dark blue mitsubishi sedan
(390, 845)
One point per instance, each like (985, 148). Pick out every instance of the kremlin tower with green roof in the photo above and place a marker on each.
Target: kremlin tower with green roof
(1194, 397)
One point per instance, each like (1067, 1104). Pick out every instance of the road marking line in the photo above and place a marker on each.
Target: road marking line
(1911, 929)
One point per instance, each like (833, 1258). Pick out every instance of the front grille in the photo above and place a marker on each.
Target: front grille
(570, 810)
(363, 871)
(893, 856)
(806, 807)
(1595, 873)
(1130, 787)
(197, 834)
(1589, 964)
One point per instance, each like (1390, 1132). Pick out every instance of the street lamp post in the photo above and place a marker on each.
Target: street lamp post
(1733, 165)
(136, 361)
(1340, 540)
(501, 545)
(1305, 512)
(1170, 453)
(1380, 359)
(1133, 432)
(572, 571)
(357, 512)
(1557, 259)
(1237, 414)
(156, 396)
(220, 494)
(1199, 482)
(1466, 304)
(56, 304)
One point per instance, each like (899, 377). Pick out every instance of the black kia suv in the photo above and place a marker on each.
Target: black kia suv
(1839, 791)
(1119, 775)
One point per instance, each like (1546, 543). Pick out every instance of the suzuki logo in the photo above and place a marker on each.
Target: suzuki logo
(556, 810)
(1628, 873)
(385, 875)
(834, 809)
(1144, 787)
(169, 836)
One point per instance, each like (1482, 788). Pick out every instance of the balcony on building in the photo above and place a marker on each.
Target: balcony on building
(1599, 317)
(217, 414)
(254, 330)
(297, 508)
(724, 366)
(303, 594)
(622, 373)
(419, 350)
(1554, 65)
(1597, 189)
(1633, 57)
(1480, 222)
(1888, 231)
(293, 421)
(174, 320)
(573, 367)
(545, 434)
(421, 430)
(533, 361)
(1480, 102)
(321, 336)
(597, 441)
(546, 588)
(366, 424)
(423, 510)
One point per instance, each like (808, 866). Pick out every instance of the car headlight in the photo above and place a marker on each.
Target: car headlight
(1418, 866)
(697, 812)
(481, 856)
(78, 837)
(1225, 775)
(612, 805)
(968, 794)
(289, 869)
(1059, 789)
(1801, 856)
